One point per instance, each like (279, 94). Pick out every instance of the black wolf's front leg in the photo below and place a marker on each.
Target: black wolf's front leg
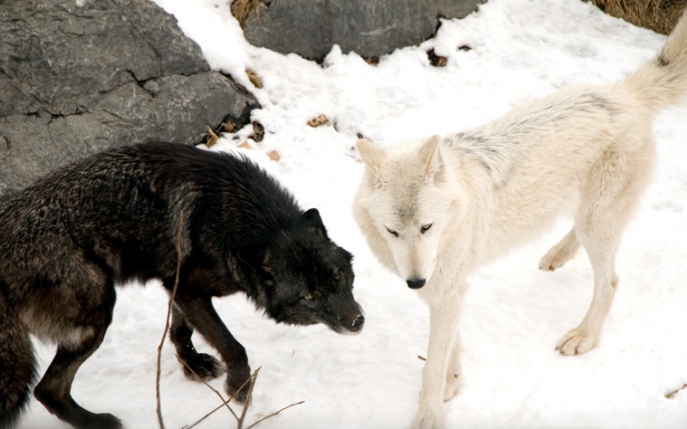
(193, 363)
(200, 314)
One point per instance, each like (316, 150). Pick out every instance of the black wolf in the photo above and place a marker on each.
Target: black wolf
(67, 240)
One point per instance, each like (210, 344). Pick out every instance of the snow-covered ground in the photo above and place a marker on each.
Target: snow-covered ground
(514, 314)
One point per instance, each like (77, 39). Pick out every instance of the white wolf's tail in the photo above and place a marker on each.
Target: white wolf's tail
(663, 82)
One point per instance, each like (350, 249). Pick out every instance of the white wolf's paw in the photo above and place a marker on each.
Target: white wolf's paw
(428, 419)
(453, 384)
(553, 260)
(576, 343)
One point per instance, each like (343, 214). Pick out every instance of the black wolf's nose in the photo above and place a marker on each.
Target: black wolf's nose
(357, 323)
(415, 283)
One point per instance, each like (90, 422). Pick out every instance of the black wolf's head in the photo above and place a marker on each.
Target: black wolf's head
(312, 278)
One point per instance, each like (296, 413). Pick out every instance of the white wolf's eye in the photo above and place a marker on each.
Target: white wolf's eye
(392, 232)
(426, 228)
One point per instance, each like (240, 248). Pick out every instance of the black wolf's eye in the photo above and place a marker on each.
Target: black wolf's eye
(426, 228)
(337, 276)
(309, 297)
(392, 232)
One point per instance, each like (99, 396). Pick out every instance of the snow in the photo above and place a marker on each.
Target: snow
(514, 314)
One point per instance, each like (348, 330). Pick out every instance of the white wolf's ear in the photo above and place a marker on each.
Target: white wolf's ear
(373, 156)
(430, 157)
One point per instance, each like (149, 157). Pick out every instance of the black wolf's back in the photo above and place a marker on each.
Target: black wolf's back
(120, 209)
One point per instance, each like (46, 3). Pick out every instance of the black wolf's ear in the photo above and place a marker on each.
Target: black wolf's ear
(312, 221)
(372, 155)
(348, 255)
(430, 157)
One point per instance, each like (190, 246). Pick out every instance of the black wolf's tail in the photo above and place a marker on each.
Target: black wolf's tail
(17, 365)
(663, 82)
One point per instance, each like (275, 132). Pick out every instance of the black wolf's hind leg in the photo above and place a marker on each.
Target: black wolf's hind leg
(54, 389)
(203, 365)
(17, 365)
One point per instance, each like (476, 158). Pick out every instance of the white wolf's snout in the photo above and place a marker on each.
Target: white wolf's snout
(416, 283)
(414, 259)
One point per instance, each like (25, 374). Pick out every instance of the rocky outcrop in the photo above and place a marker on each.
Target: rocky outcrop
(370, 28)
(80, 76)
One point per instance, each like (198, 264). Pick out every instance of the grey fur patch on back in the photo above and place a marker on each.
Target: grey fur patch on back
(499, 150)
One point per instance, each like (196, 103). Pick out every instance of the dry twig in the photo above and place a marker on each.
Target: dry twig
(671, 395)
(249, 398)
(240, 420)
(169, 312)
(275, 413)
(223, 404)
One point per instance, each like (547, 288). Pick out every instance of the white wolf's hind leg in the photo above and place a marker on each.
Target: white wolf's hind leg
(601, 248)
(561, 252)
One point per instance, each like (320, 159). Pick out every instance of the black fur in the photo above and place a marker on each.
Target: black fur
(67, 240)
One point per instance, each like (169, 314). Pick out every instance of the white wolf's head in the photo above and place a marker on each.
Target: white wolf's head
(407, 199)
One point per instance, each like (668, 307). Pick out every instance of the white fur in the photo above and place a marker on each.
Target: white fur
(585, 151)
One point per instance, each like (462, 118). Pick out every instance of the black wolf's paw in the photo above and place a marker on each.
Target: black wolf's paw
(204, 366)
(235, 380)
(101, 421)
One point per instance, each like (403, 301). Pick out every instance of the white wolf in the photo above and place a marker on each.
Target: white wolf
(434, 211)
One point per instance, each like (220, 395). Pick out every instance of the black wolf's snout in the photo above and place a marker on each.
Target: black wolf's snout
(415, 283)
(349, 318)
(357, 323)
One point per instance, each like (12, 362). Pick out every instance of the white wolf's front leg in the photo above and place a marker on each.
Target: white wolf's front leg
(444, 309)
(454, 370)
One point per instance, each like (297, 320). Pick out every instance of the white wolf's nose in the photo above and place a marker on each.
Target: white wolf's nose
(415, 283)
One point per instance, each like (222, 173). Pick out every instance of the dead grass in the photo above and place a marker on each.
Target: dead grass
(657, 15)
(211, 137)
(241, 9)
(254, 79)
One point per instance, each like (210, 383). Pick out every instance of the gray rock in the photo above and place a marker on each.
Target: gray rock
(370, 28)
(80, 76)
